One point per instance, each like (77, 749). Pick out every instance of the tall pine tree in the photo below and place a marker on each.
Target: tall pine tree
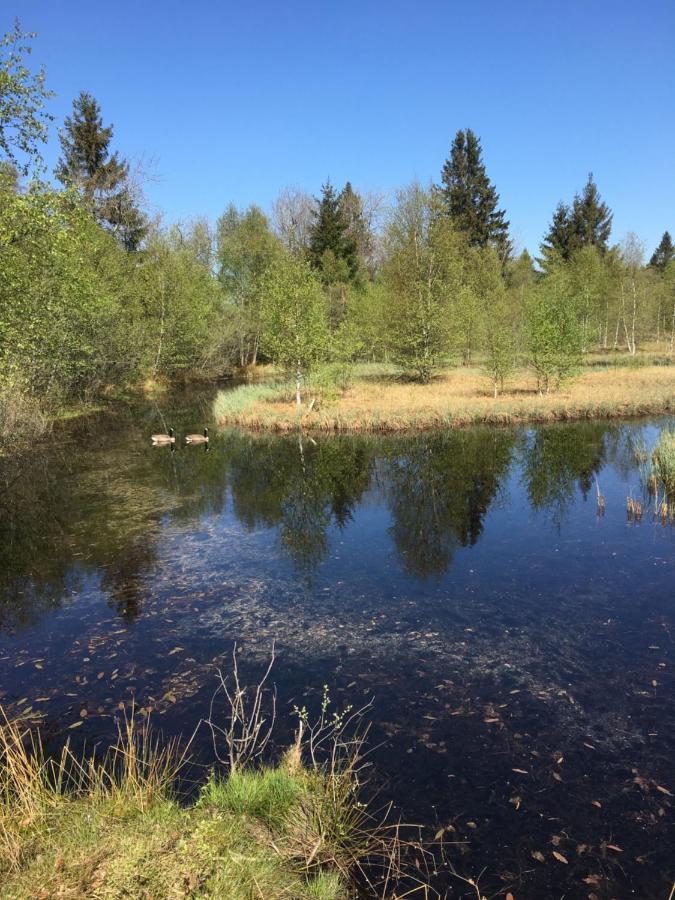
(331, 244)
(587, 222)
(470, 199)
(663, 253)
(102, 177)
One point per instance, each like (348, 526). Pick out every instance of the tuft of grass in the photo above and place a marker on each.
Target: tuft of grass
(267, 795)
(663, 461)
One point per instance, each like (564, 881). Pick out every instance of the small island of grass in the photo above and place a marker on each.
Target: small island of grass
(377, 399)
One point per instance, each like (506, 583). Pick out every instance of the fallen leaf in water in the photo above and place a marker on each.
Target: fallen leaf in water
(509, 896)
(614, 847)
(521, 771)
(169, 696)
(559, 857)
(100, 675)
(83, 713)
(175, 650)
(597, 803)
(663, 790)
(39, 666)
(557, 776)
(592, 879)
(538, 855)
(76, 724)
(590, 746)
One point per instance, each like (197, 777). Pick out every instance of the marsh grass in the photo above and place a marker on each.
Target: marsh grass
(454, 398)
(112, 826)
(663, 462)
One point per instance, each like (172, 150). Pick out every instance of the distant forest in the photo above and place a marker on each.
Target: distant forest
(96, 294)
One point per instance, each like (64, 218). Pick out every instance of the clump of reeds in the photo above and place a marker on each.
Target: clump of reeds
(599, 499)
(634, 509)
(663, 461)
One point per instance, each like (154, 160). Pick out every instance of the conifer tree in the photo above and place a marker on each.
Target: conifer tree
(591, 218)
(663, 253)
(330, 234)
(588, 222)
(103, 177)
(359, 240)
(469, 197)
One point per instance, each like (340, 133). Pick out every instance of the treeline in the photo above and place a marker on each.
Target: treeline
(95, 293)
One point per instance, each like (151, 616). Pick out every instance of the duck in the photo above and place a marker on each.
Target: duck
(197, 438)
(169, 438)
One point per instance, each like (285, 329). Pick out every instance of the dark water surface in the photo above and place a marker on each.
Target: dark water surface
(518, 646)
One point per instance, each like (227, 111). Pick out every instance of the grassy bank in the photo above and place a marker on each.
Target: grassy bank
(114, 827)
(378, 401)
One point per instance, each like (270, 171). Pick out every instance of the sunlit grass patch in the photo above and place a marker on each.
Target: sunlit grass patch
(454, 398)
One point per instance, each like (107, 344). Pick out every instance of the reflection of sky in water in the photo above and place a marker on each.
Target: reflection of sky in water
(464, 579)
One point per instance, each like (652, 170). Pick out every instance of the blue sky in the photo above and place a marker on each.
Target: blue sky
(234, 101)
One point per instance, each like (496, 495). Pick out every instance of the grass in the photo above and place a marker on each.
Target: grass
(663, 462)
(379, 401)
(113, 827)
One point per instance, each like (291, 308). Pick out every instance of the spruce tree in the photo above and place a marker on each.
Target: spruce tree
(359, 240)
(86, 162)
(588, 222)
(470, 199)
(331, 246)
(558, 240)
(102, 177)
(663, 253)
(591, 218)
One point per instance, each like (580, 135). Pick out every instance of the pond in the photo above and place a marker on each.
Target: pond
(516, 638)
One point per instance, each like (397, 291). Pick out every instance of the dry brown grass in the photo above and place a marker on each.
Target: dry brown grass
(461, 397)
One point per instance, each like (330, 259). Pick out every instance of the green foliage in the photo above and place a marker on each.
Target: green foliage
(294, 315)
(470, 199)
(246, 250)
(553, 331)
(64, 295)
(23, 96)
(179, 299)
(421, 273)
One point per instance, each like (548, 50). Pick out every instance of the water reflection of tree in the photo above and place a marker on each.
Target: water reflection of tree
(439, 489)
(558, 459)
(301, 486)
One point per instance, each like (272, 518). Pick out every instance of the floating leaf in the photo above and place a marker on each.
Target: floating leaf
(663, 790)
(538, 855)
(560, 857)
(76, 724)
(521, 771)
